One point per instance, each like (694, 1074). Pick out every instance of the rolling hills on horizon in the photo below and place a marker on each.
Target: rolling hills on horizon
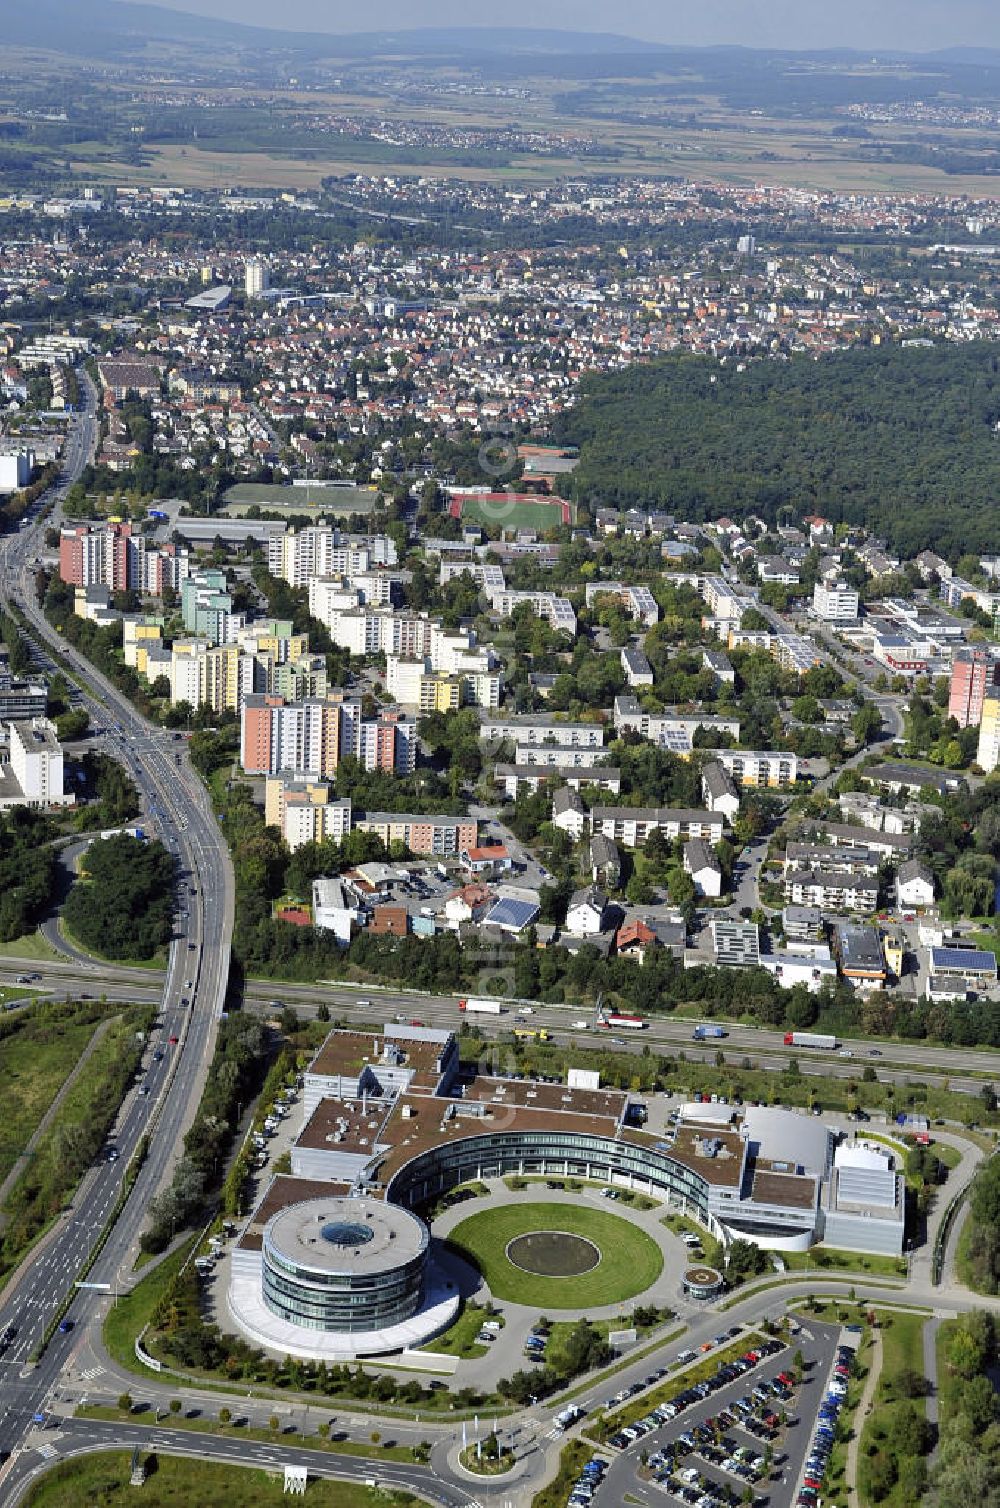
(112, 28)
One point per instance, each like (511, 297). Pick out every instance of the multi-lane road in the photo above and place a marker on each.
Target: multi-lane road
(163, 1102)
(73, 1437)
(963, 1069)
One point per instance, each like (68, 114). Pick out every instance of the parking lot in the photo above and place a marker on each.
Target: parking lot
(743, 1428)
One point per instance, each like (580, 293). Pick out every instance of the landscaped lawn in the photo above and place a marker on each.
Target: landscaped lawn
(131, 1312)
(630, 1261)
(902, 1352)
(175, 1482)
(828, 1257)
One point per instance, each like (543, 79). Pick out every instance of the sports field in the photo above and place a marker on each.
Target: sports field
(630, 1261)
(513, 510)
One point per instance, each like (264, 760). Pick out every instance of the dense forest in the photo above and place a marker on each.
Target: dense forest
(27, 870)
(122, 904)
(902, 441)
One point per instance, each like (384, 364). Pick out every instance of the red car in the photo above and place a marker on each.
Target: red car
(173, 1041)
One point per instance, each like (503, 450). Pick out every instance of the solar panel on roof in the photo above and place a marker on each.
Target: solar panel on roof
(962, 958)
(511, 913)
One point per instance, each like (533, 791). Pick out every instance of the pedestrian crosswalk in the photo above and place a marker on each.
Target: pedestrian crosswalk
(92, 1373)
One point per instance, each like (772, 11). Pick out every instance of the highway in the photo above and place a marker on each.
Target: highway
(164, 1100)
(964, 1069)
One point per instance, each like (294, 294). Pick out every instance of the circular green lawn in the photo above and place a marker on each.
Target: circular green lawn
(630, 1261)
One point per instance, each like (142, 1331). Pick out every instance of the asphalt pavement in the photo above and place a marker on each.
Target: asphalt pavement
(817, 1343)
(163, 1101)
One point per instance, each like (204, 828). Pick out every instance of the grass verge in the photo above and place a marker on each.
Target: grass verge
(176, 1482)
(572, 1459)
(33, 945)
(835, 1491)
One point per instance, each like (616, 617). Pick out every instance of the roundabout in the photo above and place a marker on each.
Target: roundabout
(558, 1256)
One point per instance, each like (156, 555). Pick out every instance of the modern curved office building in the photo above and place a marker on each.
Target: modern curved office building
(344, 1265)
(320, 1274)
(537, 1150)
(335, 1263)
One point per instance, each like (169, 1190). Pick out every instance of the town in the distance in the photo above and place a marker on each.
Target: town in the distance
(499, 789)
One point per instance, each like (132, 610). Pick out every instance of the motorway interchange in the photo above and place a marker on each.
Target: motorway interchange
(41, 1383)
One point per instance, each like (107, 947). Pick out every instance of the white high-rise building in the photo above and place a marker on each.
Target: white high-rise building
(15, 469)
(837, 603)
(36, 761)
(257, 279)
(297, 555)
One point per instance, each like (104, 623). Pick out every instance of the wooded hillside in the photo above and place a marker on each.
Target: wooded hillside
(902, 440)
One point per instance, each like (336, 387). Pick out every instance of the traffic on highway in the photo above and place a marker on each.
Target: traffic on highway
(163, 1101)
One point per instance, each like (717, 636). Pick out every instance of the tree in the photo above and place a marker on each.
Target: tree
(882, 1474)
(912, 1477)
(274, 1423)
(175, 1405)
(638, 891)
(225, 1416)
(682, 892)
(125, 1402)
(910, 1384)
(964, 1353)
(866, 724)
(122, 904)
(909, 1431)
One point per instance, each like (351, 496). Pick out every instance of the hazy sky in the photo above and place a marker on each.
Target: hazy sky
(911, 24)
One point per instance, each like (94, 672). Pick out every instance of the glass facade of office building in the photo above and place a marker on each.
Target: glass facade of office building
(345, 1298)
(549, 1152)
